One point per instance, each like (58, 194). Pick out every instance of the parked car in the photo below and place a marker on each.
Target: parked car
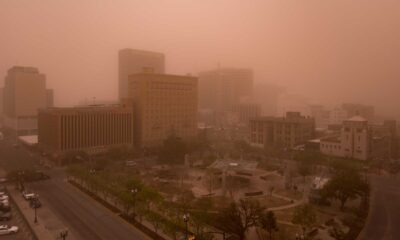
(3, 197)
(5, 207)
(5, 216)
(28, 195)
(5, 229)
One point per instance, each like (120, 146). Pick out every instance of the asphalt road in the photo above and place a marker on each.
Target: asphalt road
(384, 218)
(84, 217)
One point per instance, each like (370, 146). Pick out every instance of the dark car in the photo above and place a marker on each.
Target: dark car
(4, 207)
(5, 216)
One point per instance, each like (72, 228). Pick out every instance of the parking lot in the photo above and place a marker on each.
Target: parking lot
(24, 233)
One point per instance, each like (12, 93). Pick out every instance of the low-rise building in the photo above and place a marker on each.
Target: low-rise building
(91, 129)
(286, 132)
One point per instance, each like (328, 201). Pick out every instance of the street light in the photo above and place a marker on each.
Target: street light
(186, 220)
(35, 203)
(134, 191)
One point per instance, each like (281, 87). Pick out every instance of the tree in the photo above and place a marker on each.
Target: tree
(337, 233)
(345, 185)
(239, 217)
(304, 169)
(268, 223)
(304, 216)
(173, 151)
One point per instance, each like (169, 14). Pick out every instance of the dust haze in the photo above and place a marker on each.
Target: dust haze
(328, 51)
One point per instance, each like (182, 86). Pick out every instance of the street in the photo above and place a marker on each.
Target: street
(384, 218)
(82, 216)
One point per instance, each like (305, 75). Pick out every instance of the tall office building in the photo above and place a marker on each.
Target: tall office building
(221, 89)
(268, 95)
(50, 98)
(24, 94)
(163, 105)
(131, 61)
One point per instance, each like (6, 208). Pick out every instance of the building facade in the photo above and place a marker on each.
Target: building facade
(285, 132)
(24, 94)
(91, 129)
(221, 89)
(247, 111)
(163, 105)
(131, 61)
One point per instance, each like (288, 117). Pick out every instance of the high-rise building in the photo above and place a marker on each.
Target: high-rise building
(163, 105)
(268, 95)
(50, 98)
(221, 89)
(92, 129)
(24, 95)
(285, 132)
(131, 61)
(321, 116)
(247, 111)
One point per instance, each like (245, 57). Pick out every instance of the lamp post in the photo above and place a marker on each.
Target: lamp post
(186, 220)
(134, 191)
(35, 204)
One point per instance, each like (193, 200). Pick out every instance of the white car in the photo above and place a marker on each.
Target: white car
(5, 229)
(3, 197)
(28, 196)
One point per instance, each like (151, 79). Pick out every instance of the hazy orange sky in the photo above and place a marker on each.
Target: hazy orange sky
(331, 51)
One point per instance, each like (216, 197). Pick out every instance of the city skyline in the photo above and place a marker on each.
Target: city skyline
(332, 62)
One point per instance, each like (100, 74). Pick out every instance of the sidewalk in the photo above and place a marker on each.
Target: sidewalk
(39, 228)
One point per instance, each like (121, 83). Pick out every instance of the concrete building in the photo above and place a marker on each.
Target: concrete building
(337, 115)
(91, 129)
(221, 89)
(268, 95)
(355, 138)
(287, 132)
(321, 116)
(50, 98)
(246, 111)
(24, 94)
(163, 105)
(131, 61)
(331, 146)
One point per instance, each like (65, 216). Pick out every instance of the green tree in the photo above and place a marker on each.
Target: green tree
(345, 185)
(304, 216)
(239, 217)
(268, 223)
(173, 151)
(304, 169)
